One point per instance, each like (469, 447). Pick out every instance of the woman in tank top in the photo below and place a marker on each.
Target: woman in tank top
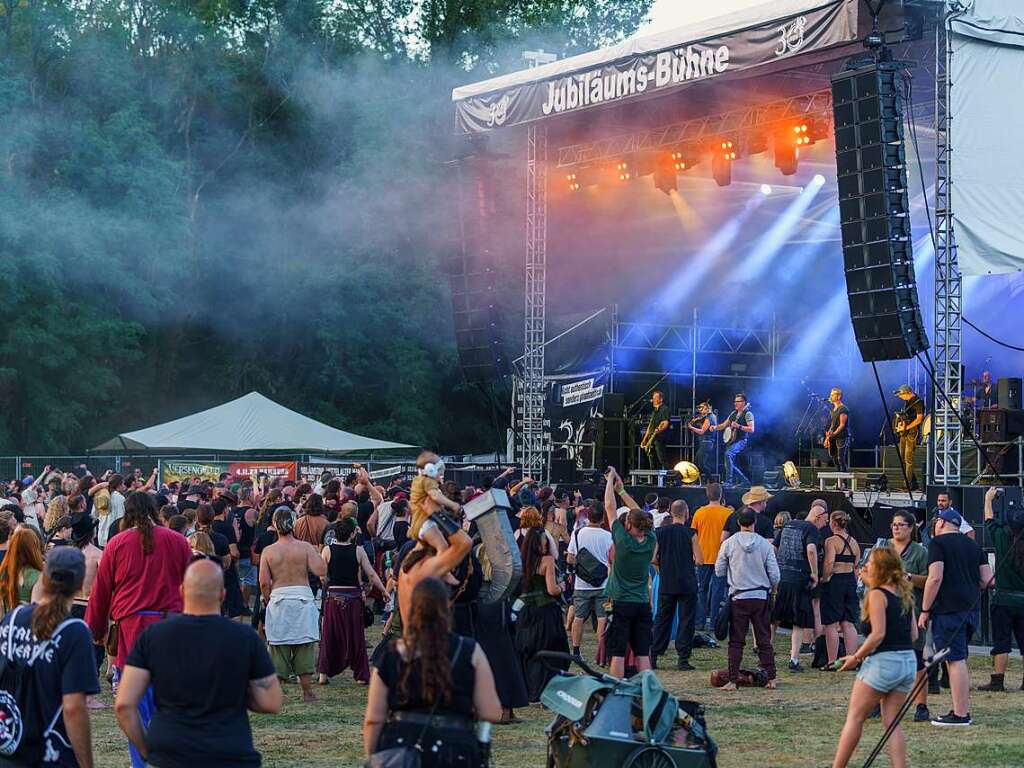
(840, 609)
(343, 636)
(888, 664)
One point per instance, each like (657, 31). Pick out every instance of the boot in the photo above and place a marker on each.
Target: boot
(995, 684)
(820, 653)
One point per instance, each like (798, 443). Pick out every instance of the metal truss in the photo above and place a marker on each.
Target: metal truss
(765, 346)
(533, 442)
(945, 469)
(817, 104)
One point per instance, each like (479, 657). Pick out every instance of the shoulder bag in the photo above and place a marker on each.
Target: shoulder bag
(405, 756)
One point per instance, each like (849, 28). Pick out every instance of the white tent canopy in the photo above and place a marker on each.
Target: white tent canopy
(250, 423)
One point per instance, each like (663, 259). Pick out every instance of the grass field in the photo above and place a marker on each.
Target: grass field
(794, 726)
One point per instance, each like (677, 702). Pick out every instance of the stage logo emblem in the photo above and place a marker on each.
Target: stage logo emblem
(499, 112)
(792, 36)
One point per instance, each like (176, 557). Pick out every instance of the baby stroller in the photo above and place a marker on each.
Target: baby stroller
(604, 722)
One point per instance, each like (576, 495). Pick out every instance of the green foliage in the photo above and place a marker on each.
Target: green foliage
(203, 197)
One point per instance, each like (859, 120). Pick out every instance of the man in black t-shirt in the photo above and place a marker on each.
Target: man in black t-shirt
(657, 432)
(797, 545)
(910, 419)
(957, 571)
(837, 438)
(757, 499)
(676, 556)
(243, 519)
(200, 698)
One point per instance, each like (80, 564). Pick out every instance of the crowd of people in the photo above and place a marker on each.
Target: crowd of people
(109, 577)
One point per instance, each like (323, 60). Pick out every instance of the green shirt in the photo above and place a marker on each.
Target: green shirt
(1008, 578)
(628, 580)
(915, 562)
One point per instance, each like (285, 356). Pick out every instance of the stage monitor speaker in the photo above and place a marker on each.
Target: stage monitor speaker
(472, 277)
(874, 212)
(1009, 393)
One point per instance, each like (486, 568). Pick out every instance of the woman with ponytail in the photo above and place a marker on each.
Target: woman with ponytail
(64, 667)
(137, 584)
(430, 686)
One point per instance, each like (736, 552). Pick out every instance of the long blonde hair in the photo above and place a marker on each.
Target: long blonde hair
(887, 571)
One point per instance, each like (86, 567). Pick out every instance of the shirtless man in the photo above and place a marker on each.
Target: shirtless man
(293, 621)
(424, 561)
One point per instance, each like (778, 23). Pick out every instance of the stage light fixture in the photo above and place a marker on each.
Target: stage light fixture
(766, 189)
(623, 170)
(722, 157)
(787, 157)
(800, 135)
(573, 181)
(819, 179)
(727, 150)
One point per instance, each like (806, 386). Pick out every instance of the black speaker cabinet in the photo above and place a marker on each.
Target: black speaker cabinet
(1008, 391)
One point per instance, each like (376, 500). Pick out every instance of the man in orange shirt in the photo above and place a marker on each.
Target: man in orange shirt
(709, 521)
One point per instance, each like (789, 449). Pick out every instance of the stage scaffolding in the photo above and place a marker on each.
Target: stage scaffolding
(532, 430)
(948, 341)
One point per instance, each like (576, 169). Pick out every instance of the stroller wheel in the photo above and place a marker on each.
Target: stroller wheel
(650, 757)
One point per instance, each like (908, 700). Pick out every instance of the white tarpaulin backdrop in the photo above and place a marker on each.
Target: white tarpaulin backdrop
(988, 116)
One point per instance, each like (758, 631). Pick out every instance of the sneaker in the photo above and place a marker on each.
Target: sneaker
(684, 665)
(921, 714)
(950, 720)
(578, 658)
(806, 648)
(794, 666)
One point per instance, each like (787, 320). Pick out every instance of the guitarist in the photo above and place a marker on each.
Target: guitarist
(703, 426)
(837, 438)
(740, 424)
(654, 438)
(908, 429)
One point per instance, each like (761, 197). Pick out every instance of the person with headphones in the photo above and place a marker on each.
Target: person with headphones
(430, 523)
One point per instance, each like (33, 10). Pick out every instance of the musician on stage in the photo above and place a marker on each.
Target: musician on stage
(703, 426)
(657, 428)
(985, 392)
(740, 424)
(908, 429)
(837, 438)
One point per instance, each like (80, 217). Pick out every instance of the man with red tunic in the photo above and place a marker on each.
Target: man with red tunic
(137, 584)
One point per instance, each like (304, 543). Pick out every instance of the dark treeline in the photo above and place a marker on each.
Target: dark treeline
(199, 198)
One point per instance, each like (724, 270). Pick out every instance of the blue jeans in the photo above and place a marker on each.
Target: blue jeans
(709, 586)
(731, 469)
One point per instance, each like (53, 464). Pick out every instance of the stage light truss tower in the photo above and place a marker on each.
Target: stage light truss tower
(945, 469)
(533, 448)
(817, 104)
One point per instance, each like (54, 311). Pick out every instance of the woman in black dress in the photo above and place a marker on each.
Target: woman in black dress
(429, 688)
(539, 626)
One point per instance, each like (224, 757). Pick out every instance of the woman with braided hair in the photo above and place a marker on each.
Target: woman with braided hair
(431, 683)
(138, 582)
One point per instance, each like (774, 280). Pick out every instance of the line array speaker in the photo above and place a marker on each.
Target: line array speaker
(874, 213)
(472, 276)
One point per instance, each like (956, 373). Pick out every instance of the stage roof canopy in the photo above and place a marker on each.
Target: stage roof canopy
(764, 37)
(250, 423)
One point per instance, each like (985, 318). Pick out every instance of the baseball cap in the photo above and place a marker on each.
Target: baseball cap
(27, 480)
(950, 516)
(903, 389)
(66, 565)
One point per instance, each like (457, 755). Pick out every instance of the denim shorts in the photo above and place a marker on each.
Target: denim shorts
(889, 671)
(587, 602)
(954, 630)
(247, 572)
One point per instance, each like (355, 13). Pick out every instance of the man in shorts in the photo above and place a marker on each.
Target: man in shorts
(293, 620)
(588, 599)
(627, 588)
(957, 571)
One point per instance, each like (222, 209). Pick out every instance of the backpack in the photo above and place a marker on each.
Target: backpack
(24, 730)
(588, 567)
